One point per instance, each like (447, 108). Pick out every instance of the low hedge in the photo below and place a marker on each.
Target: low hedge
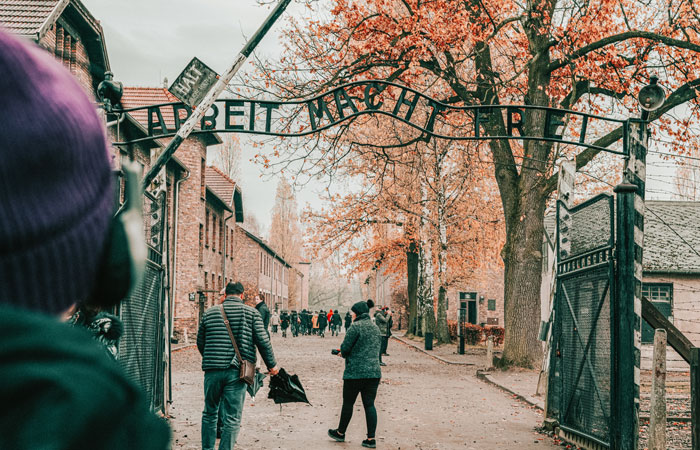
(475, 334)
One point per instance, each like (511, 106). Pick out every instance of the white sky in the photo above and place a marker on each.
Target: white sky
(148, 40)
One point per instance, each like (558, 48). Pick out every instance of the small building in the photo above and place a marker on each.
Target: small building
(671, 270)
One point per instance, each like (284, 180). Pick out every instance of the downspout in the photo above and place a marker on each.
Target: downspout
(226, 243)
(176, 202)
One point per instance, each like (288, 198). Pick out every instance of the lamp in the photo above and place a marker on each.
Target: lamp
(651, 97)
(110, 91)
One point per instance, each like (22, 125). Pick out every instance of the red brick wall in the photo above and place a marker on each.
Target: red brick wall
(189, 272)
(67, 46)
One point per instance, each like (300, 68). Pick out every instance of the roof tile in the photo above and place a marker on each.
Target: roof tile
(25, 17)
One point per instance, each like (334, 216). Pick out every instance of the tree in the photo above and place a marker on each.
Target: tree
(285, 233)
(590, 56)
(429, 193)
(687, 180)
(227, 156)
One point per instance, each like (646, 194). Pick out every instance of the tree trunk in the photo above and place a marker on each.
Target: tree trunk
(522, 283)
(443, 331)
(427, 289)
(412, 285)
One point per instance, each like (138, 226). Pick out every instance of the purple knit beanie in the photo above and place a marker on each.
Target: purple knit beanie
(55, 182)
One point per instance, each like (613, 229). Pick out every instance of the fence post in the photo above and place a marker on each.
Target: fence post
(460, 324)
(624, 398)
(489, 352)
(657, 412)
(694, 399)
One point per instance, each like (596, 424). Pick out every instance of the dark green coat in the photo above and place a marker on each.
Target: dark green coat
(360, 348)
(381, 319)
(60, 390)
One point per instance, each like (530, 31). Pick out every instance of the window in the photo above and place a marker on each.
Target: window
(492, 304)
(222, 233)
(206, 228)
(201, 241)
(220, 287)
(661, 296)
(203, 179)
(261, 262)
(214, 222)
(66, 48)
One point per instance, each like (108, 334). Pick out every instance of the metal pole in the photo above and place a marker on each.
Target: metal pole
(694, 398)
(201, 109)
(657, 414)
(460, 324)
(624, 417)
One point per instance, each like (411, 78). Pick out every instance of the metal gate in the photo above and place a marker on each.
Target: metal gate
(141, 349)
(579, 393)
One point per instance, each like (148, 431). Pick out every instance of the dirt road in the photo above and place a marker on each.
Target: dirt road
(422, 404)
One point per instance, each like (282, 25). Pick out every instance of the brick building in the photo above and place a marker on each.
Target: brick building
(65, 29)
(671, 271)
(263, 270)
(196, 213)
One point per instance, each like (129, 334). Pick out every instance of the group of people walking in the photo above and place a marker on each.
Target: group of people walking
(231, 335)
(309, 323)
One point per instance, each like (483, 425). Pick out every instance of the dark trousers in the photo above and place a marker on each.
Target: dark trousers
(385, 343)
(222, 389)
(367, 387)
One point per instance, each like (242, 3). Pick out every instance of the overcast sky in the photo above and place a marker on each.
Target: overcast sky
(148, 40)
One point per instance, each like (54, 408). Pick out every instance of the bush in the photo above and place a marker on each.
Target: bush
(475, 334)
(498, 334)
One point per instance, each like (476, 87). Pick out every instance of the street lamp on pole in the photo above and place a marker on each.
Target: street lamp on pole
(626, 318)
(651, 97)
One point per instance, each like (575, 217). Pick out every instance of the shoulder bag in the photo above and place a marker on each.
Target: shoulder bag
(247, 372)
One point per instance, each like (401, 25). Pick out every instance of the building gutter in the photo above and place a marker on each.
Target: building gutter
(173, 284)
(223, 268)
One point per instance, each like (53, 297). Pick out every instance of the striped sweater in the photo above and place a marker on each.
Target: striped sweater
(214, 343)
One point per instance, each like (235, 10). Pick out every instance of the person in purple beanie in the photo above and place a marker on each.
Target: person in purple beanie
(60, 246)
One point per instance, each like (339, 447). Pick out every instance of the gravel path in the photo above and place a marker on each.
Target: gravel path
(422, 404)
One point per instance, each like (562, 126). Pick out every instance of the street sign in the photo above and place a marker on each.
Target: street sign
(193, 83)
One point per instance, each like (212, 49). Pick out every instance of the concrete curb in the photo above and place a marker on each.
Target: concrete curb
(484, 377)
(442, 360)
(183, 347)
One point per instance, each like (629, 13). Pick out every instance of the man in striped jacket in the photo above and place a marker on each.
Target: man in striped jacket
(220, 364)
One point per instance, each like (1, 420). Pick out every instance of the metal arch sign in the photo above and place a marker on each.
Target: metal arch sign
(304, 117)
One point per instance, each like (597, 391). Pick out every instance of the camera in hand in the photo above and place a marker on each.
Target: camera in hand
(335, 351)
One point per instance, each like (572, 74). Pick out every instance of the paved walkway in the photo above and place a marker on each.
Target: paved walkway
(422, 404)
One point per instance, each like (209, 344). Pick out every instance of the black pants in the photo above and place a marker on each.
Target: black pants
(367, 387)
(385, 344)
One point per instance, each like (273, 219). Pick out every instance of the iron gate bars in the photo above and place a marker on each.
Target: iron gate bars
(580, 390)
